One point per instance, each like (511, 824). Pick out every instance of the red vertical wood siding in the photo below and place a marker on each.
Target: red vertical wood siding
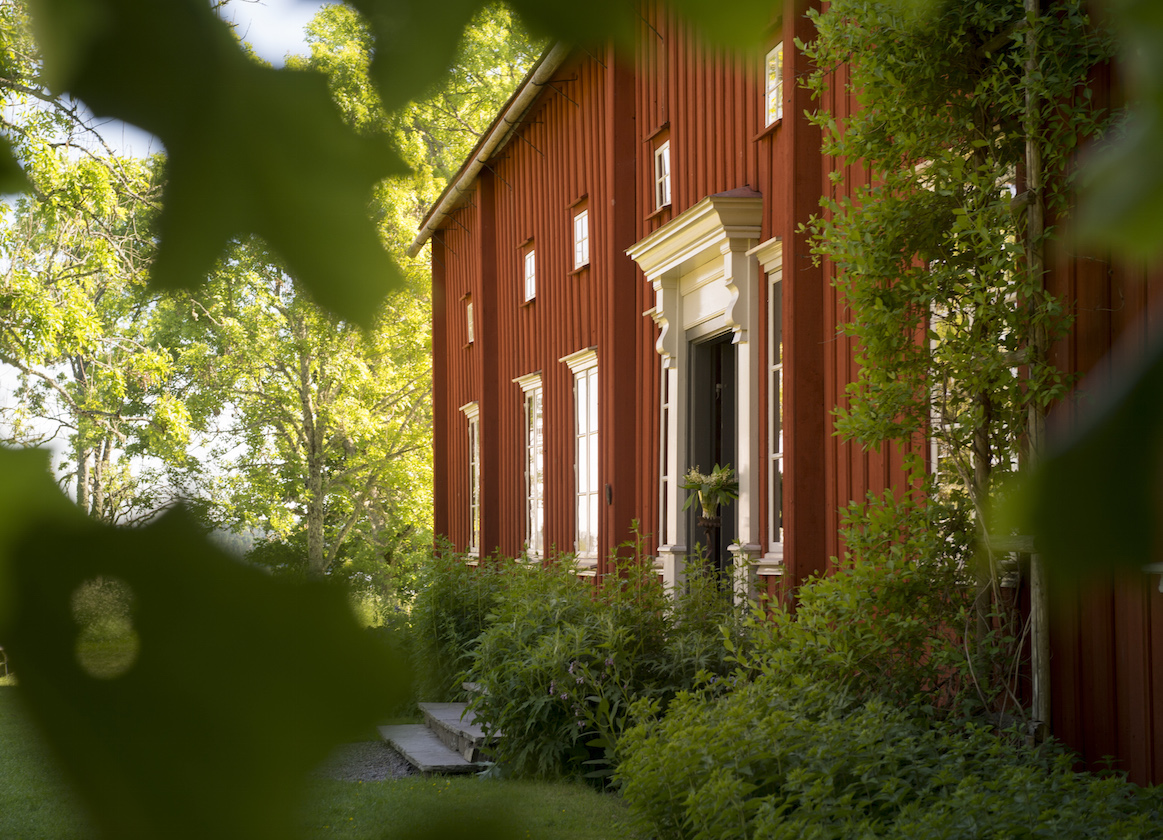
(488, 349)
(806, 516)
(1106, 632)
(625, 404)
(456, 274)
(568, 148)
(442, 425)
(591, 134)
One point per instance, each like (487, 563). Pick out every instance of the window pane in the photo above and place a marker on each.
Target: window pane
(586, 460)
(581, 239)
(530, 275)
(774, 86)
(662, 175)
(593, 533)
(582, 401)
(583, 526)
(593, 401)
(777, 501)
(777, 414)
(534, 476)
(582, 465)
(474, 485)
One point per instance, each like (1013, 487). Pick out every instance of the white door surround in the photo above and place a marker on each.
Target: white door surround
(707, 284)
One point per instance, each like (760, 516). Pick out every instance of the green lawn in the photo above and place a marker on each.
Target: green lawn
(35, 802)
(441, 807)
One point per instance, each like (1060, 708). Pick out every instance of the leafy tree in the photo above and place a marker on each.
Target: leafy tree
(76, 317)
(931, 255)
(328, 425)
(326, 436)
(436, 130)
(76, 327)
(334, 423)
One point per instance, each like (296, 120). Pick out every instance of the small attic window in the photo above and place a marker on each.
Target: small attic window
(773, 98)
(581, 238)
(662, 175)
(530, 274)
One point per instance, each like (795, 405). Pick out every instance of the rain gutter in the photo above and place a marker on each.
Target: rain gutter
(491, 142)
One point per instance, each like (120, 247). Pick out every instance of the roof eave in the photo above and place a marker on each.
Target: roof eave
(507, 121)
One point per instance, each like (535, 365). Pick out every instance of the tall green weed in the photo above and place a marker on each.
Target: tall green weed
(449, 611)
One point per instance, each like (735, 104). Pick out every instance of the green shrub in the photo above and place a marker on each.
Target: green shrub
(561, 661)
(395, 634)
(780, 760)
(382, 577)
(523, 660)
(890, 622)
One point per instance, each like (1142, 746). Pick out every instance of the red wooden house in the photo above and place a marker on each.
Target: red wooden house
(621, 292)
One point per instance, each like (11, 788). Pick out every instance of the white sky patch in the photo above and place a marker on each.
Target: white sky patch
(274, 28)
(128, 140)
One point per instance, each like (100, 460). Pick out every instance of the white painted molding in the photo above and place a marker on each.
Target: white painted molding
(699, 230)
(769, 254)
(529, 382)
(581, 360)
(706, 278)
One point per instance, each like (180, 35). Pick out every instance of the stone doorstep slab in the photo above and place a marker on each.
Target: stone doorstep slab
(456, 727)
(424, 751)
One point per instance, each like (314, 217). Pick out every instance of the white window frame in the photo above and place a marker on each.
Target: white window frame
(587, 469)
(472, 412)
(773, 85)
(662, 180)
(470, 326)
(770, 257)
(666, 408)
(530, 274)
(581, 238)
(775, 390)
(534, 444)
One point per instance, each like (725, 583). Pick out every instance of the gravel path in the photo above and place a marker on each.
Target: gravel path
(365, 761)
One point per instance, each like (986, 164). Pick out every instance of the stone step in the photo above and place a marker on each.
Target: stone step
(455, 725)
(423, 750)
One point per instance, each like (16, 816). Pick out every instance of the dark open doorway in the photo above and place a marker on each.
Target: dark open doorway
(713, 395)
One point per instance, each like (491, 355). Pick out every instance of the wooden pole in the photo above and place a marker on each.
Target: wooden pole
(1036, 424)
